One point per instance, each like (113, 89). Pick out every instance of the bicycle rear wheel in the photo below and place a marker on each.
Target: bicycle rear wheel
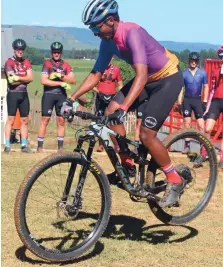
(41, 218)
(200, 188)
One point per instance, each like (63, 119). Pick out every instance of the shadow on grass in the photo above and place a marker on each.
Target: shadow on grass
(122, 227)
(21, 255)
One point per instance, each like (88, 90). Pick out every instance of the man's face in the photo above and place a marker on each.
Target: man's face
(56, 55)
(193, 64)
(19, 53)
(103, 30)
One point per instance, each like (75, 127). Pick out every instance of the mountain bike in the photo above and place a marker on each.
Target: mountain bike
(63, 205)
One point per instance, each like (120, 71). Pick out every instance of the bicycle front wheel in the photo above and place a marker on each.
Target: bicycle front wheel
(202, 180)
(41, 216)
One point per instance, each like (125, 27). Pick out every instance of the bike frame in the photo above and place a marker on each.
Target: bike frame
(104, 134)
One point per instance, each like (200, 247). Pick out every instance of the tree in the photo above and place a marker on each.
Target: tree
(34, 55)
(127, 71)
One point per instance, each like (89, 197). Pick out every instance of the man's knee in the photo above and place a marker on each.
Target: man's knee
(24, 121)
(45, 121)
(146, 135)
(10, 120)
(60, 121)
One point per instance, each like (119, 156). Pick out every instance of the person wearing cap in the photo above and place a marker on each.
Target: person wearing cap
(56, 77)
(195, 82)
(19, 74)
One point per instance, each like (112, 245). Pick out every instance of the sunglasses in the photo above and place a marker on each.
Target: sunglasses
(96, 29)
(56, 52)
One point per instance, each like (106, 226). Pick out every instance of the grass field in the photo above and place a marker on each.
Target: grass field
(134, 237)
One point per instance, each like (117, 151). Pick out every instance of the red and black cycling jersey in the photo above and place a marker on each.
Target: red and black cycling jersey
(18, 68)
(110, 77)
(219, 83)
(50, 66)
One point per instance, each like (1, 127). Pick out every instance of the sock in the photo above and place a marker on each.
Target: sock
(24, 142)
(40, 142)
(203, 151)
(60, 141)
(7, 142)
(221, 156)
(187, 144)
(126, 160)
(171, 174)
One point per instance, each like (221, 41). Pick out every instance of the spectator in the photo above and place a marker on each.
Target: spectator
(19, 74)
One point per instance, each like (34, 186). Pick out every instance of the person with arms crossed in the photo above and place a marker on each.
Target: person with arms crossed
(158, 77)
(19, 74)
(56, 77)
(195, 80)
(106, 90)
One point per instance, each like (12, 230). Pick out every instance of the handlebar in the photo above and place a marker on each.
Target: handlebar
(88, 116)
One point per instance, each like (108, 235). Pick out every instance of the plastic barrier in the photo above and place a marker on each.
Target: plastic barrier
(175, 119)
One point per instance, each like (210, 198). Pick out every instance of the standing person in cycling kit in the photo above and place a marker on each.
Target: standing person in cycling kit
(195, 79)
(19, 74)
(157, 77)
(216, 107)
(56, 77)
(106, 90)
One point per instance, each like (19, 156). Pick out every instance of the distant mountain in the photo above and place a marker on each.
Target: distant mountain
(80, 38)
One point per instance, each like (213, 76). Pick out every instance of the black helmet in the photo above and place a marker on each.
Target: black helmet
(56, 46)
(19, 44)
(194, 56)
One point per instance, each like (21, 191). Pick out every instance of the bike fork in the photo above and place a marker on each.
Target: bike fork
(82, 177)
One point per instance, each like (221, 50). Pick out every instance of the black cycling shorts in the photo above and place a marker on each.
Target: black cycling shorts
(160, 95)
(192, 104)
(49, 101)
(18, 100)
(140, 109)
(101, 104)
(215, 109)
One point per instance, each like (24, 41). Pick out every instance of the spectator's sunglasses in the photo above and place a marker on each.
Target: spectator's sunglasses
(56, 52)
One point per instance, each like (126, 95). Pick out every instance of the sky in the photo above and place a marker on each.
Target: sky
(173, 20)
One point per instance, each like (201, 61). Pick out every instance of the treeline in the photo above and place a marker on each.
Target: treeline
(37, 56)
(204, 54)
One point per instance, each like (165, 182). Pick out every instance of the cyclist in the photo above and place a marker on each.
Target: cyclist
(216, 107)
(157, 77)
(106, 90)
(195, 79)
(56, 77)
(19, 74)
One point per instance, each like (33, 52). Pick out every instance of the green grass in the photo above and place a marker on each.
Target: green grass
(133, 235)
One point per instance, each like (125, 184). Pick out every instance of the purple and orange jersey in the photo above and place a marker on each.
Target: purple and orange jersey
(133, 44)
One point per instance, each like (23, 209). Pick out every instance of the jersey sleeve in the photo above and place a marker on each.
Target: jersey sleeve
(106, 53)
(119, 76)
(68, 68)
(136, 44)
(28, 64)
(45, 68)
(9, 67)
(205, 77)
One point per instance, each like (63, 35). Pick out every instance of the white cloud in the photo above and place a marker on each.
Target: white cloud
(35, 23)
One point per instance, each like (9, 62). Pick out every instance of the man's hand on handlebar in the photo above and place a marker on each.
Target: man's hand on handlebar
(67, 106)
